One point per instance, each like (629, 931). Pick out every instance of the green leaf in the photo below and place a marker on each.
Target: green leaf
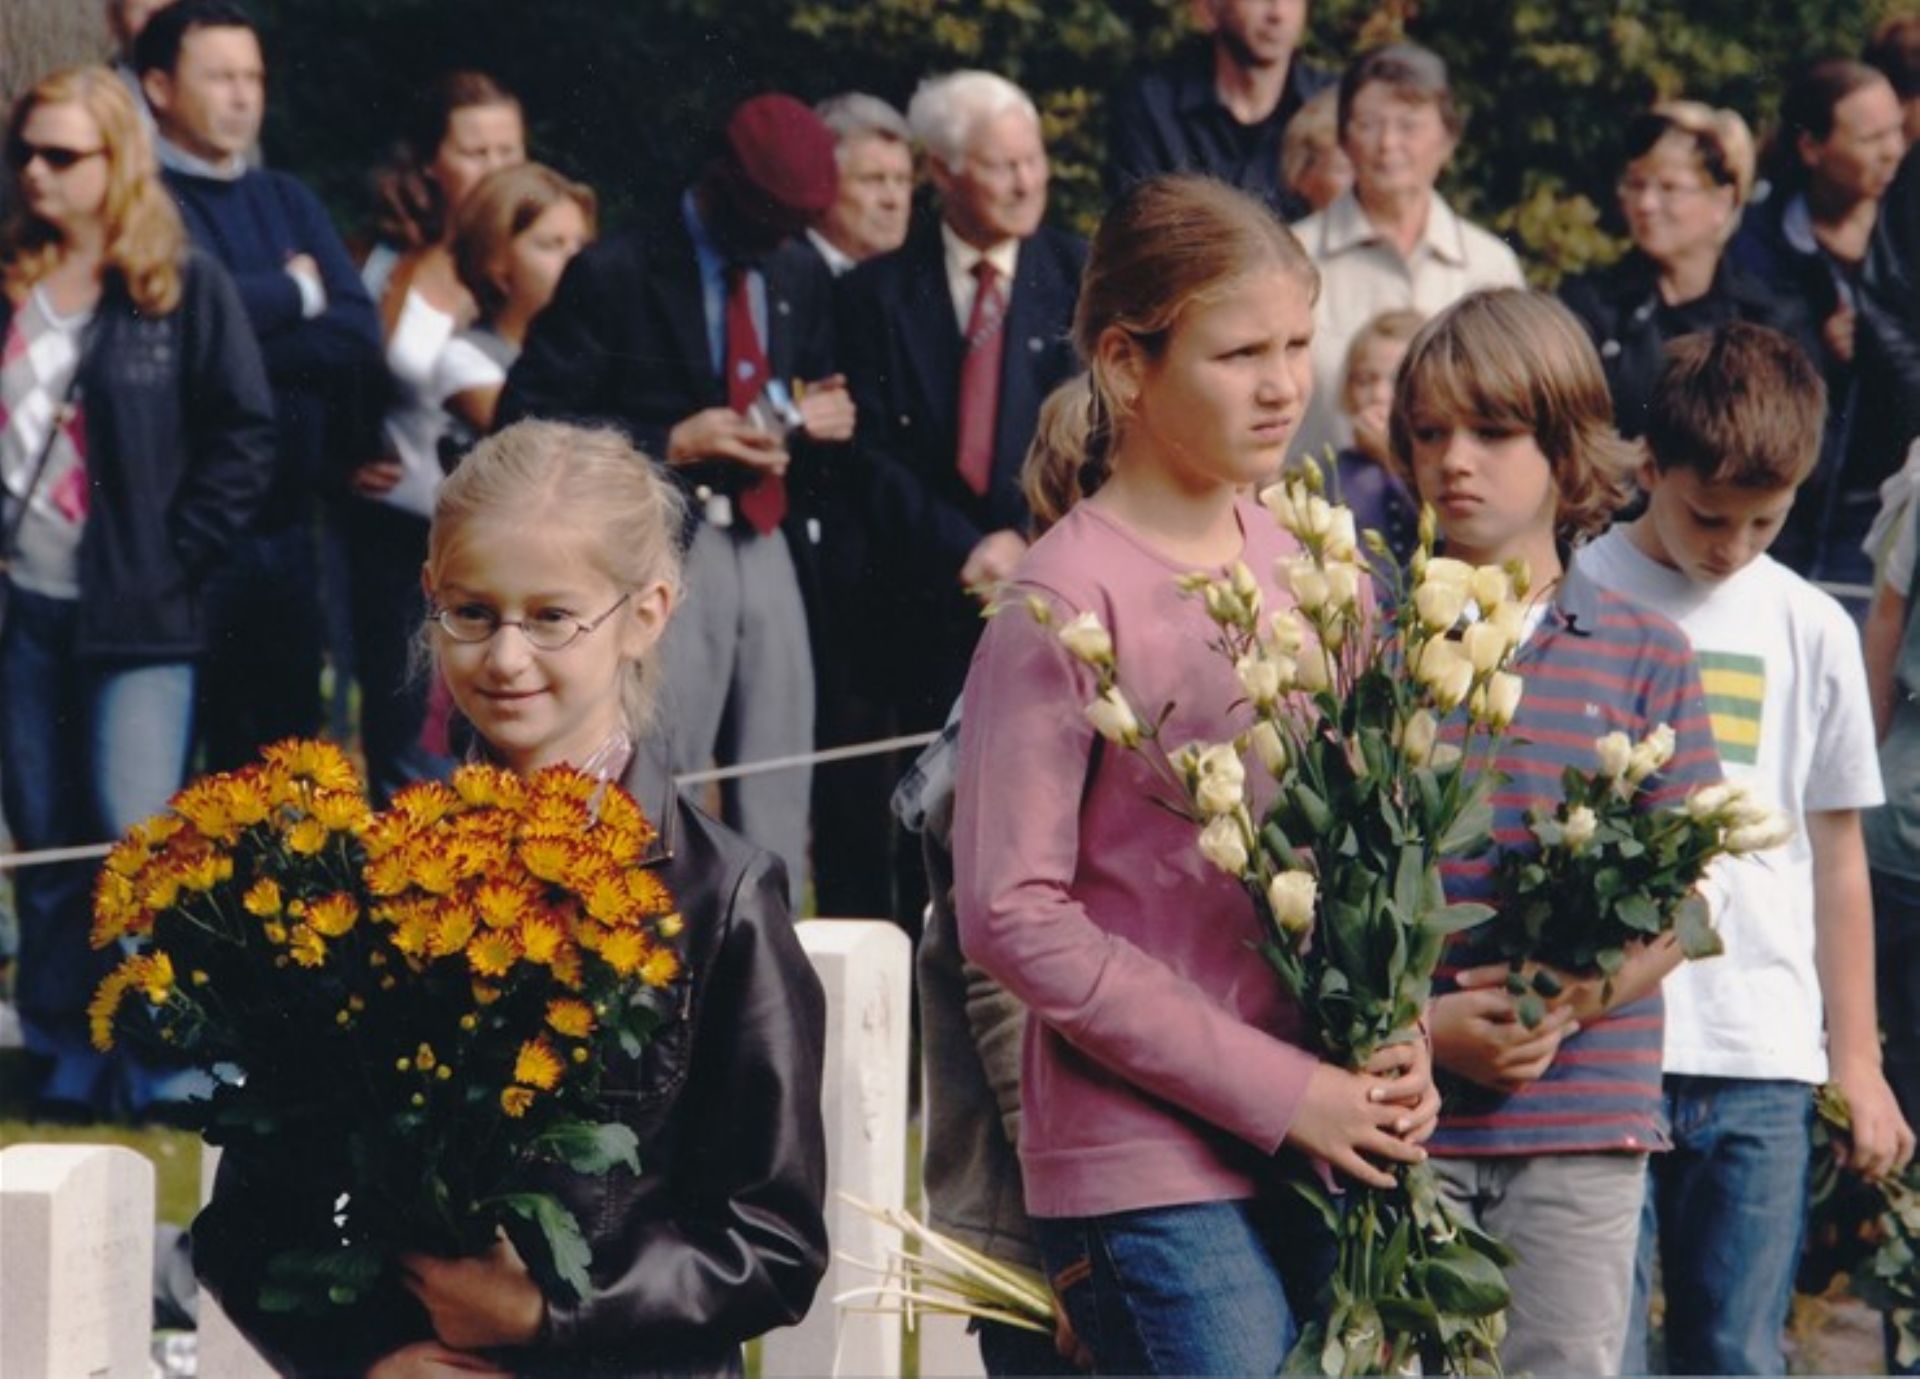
(559, 1255)
(588, 1148)
(1313, 811)
(1694, 928)
(1312, 1194)
(1471, 830)
(1305, 1356)
(1451, 919)
(1638, 913)
(1460, 1280)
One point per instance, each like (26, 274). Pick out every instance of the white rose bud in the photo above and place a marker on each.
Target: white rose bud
(1511, 619)
(1244, 583)
(1222, 780)
(1260, 677)
(1445, 754)
(1503, 700)
(1343, 583)
(1709, 800)
(1579, 827)
(1455, 574)
(1446, 672)
(1613, 753)
(1745, 807)
(1039, 610)
(1485, 646)
(1491, 587)
(1316, 518)
(1418, 735)
(1278, 500)
(1760, 836)
(1112, 717)
(1650, 754)
(1343, 540)
(1316, 672)
(1286, 633)
(1292, 895)
(1439, 604)
(1087, 640)
(1308, 583)
(1223, 844)
(1270, 747)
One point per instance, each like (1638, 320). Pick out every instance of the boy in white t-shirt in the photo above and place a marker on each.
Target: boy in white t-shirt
(1733, 431)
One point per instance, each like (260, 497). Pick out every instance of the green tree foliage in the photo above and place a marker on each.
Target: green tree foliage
(627, 93)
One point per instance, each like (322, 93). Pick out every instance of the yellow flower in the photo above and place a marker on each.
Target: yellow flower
(501, 904)
(320, 762)
(563, 781)
(609, 900)
(541, 935)
(670, 925)
(537, 1065)
(247, 800)
(156, 976)
(308, 948)
(339, 812)
(425, 803)
(565, 967)
(452, 927)
(423, 1058)
(334, 915)
(660, 968)
(275, 931)
(557, 811)
(492, 954)
(129, 855)
(546, 858)
(570, 1017)
(204, 804)
(116, 908)
(649, 893)
(106, 1003)
(202, 873)
(262, 899)
(515, 1101)
(307, 837)
(624, 950)
(484, 995)
(619, 812)
(163, 889)
(432, 872)
(386, 875)
(414, 931)
(384, 835)
(490, 786)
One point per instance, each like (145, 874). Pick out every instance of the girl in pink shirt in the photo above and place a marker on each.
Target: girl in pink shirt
(1162, 1071)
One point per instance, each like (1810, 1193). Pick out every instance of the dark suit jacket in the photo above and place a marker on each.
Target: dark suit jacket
(902, 350)
(624, 342)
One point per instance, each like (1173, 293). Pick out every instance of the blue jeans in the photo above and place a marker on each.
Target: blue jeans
(1201, 1289)
(90, 749)
(1727, 1210)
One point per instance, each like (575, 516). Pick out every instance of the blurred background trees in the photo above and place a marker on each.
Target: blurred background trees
(626, 93)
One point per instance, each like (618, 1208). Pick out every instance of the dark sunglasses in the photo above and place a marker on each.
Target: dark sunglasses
(20, 153)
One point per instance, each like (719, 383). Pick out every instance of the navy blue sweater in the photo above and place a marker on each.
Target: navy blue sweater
(327, 373)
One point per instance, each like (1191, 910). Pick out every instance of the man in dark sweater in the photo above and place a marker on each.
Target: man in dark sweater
(201, 68)
(1220, 104)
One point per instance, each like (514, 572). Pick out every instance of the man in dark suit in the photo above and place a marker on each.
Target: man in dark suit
(710, 342)
(1219, 104)
(950, 345)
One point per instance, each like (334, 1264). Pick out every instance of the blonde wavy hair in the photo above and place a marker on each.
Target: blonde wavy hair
(1515, 361)
(145, 242)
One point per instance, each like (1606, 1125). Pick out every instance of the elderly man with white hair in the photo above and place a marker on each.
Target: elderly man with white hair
(950, 345)
(874, 150)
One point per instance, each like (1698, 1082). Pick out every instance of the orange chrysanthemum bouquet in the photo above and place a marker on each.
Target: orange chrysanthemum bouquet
(414, 1010)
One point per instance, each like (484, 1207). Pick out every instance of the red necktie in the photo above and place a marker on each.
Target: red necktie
(980, 378)
(763, 502)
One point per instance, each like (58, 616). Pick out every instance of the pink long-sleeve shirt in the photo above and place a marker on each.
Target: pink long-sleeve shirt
(1159, 1064)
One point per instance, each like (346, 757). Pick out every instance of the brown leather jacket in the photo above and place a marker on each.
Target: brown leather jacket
(722, 1235)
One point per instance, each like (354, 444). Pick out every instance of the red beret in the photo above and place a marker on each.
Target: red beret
(786, 153)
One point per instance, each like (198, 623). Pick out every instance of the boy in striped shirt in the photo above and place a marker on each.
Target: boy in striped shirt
(1502, 415)
(1733, 431)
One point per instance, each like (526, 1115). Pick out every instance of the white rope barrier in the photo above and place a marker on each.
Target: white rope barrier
(17, 861)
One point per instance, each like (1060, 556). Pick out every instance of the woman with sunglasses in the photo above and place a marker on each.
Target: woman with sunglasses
(136, 439)
(1689, 169)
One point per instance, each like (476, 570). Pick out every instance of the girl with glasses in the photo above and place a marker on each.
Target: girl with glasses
(552, 570)
(136, 435)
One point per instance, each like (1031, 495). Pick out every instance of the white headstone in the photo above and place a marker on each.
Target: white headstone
(223, 1352)
(76, 1262)
(865, 966)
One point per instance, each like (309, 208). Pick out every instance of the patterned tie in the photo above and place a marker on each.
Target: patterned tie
(980, 378)
(763, 502)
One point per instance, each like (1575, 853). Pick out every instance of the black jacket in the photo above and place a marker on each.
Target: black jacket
(721, 1237)
(1889, 336)
(1620, 307)
(179, 432)
(624, 342)
(901, 348)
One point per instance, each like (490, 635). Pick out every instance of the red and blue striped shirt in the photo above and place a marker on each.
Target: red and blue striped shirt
(1596, 664)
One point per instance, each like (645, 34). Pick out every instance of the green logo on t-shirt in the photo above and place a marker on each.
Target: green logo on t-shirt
(1736, 688)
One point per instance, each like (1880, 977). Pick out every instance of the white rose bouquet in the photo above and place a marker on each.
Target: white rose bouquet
(1609, 873)
(1334, 809)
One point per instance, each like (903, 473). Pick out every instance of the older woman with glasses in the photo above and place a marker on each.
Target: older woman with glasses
(136, 440)
(1392, 242)
(1688, 171)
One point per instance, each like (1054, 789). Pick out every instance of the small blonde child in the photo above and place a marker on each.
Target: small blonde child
(552, 571)
(1501, 414)
(1364, 475)
(1162, 1067)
